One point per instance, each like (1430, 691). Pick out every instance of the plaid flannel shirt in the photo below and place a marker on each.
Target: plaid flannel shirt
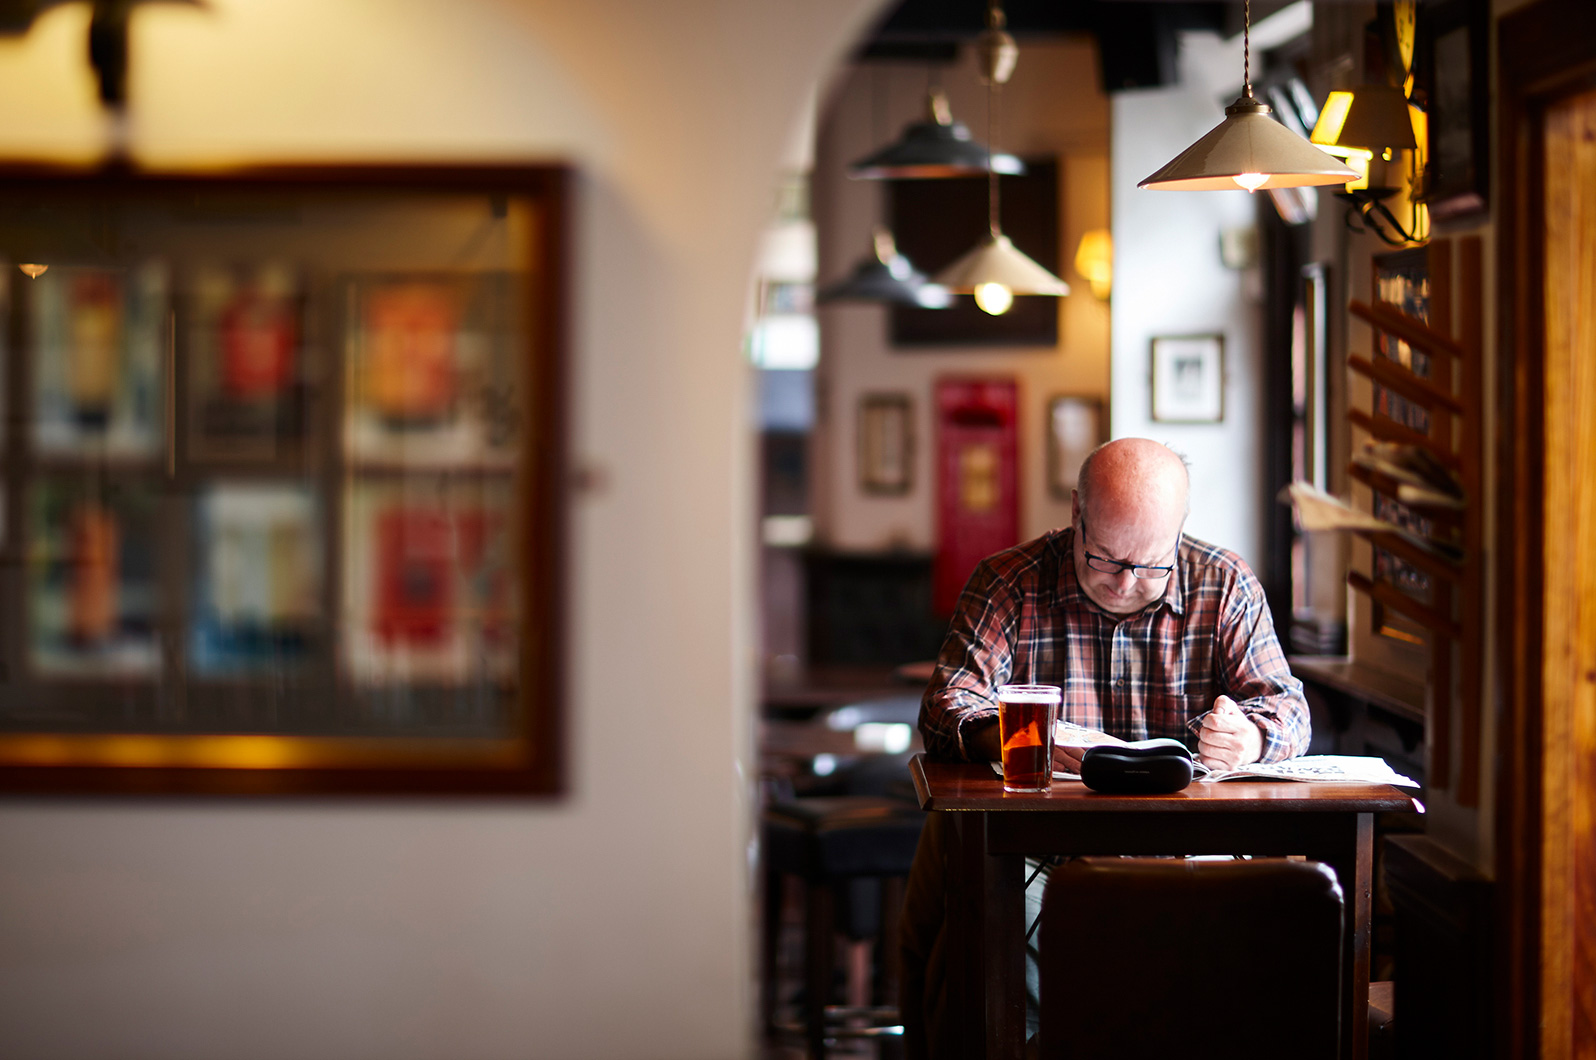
(1023, 619)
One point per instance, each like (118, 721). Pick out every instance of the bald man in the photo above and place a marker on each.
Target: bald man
(1147, 631)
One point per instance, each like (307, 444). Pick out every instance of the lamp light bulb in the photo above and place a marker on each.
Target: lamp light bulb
(1250, 181)
(32, 271)
(995, 298)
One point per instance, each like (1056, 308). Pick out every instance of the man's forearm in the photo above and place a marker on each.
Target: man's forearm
(982, 741)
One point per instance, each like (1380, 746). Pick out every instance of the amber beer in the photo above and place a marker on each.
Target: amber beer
(1025, 723)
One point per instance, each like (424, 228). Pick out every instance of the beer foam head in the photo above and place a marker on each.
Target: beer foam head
(1029, 693)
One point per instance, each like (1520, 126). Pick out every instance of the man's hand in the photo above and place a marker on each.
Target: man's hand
(1229, 738)
(1067, 757)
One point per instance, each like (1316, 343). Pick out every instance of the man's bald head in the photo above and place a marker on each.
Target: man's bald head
(1135, 479)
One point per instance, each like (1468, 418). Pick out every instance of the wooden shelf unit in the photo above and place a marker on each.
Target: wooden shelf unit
(1451, 395)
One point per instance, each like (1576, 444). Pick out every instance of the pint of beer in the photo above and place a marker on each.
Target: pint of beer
(1025, 723)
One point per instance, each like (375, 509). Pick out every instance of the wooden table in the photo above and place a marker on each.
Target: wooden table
(992, 832)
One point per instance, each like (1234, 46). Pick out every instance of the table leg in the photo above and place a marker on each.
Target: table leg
(1353, 861)
(1004, 930)
(965, 880)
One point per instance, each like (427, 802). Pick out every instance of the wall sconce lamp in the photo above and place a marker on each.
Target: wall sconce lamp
(1094, 259)
(995, 270)
(1369, 121)
(1248, 149)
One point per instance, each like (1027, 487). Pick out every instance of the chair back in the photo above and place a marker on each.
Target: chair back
(1170, 957)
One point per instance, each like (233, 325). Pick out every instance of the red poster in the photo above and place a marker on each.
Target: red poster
(978, 493)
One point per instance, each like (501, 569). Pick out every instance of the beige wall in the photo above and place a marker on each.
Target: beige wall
(1052, 105)
(613, 922)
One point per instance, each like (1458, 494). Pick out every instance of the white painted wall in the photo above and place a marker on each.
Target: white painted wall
(612, 923)
(1052, 105)
(1168, 280)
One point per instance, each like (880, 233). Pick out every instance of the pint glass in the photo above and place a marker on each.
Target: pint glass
(1025, 724)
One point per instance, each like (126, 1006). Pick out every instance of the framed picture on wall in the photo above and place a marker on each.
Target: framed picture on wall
(886, 444)
(1074, 429)
(1188, 379)
(291, 506)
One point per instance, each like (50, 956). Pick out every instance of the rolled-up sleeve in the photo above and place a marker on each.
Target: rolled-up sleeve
(976, 657)
(1253, 671)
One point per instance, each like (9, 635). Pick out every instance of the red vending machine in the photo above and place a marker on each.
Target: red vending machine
(978, 481)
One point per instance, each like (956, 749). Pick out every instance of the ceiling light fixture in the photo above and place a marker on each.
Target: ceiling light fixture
(1249, 149)
(885, 276)
(934, 148)
(995, 270)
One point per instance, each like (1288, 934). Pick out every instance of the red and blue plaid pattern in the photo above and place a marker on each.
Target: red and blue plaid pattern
(1023, 619)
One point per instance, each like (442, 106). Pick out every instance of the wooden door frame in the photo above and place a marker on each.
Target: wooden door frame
(1546, 51)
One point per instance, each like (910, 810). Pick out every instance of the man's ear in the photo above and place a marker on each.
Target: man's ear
(1075, 507)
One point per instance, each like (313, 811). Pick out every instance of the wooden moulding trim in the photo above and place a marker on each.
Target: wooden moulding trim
(1393, 376)
(1401, 602)
(1415, 333)
(1391, 431)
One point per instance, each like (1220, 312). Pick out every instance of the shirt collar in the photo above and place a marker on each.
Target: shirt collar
(1069, 587)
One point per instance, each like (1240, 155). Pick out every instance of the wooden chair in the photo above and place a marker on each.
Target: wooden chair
(1170, 957)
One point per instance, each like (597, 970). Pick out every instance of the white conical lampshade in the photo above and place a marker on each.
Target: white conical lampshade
(996, 260)
(1252, 146)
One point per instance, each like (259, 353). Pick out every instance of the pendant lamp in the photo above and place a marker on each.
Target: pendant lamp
(885, 276)
(996, 270)
(1248, 149)
(937, 147)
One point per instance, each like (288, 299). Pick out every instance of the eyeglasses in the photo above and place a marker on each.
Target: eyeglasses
(1104, 565)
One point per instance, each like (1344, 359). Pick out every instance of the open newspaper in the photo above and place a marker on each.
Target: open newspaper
(1341, 769)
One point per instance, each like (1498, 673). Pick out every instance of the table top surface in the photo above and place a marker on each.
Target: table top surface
(975, 786)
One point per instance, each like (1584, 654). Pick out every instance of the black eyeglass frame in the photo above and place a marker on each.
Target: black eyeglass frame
(1115, 566)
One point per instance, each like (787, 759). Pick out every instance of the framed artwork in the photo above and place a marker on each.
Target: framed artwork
(430, 375)
(98, 341)
(429, 593)
(1074, 428)
(259, 579)
(246, 362)
(886, 443)
(1188, 379)
(93, 595)
(1451, 71)
(286, 481)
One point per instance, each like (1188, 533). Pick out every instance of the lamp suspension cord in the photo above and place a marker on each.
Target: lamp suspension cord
(991, 171)
(1246, 47)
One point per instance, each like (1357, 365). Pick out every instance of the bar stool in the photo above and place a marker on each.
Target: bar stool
(832, 844)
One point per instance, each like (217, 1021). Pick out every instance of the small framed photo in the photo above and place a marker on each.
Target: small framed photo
(886, 443)
(1074, 429)
(1189, 379)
